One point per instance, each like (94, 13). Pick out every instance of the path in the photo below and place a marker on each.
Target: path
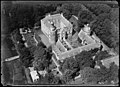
(12, 58)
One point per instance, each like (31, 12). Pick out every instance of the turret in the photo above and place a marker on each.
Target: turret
(53, 34)
(87, 29)
(52, 37)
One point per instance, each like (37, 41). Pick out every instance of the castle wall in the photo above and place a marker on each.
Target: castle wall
(78, 50)
(84, 37)
(60, 46)
(66, 26)
(44, 29)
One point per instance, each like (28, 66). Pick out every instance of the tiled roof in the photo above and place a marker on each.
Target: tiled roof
(82, 35)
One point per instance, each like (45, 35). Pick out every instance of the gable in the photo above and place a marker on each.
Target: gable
(84, 37)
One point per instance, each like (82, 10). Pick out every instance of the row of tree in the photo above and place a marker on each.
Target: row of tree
(85, 63)
(105, 24)
(105, 75)
(103, 19)
(18, 15)
(42, 57)
(73, 65)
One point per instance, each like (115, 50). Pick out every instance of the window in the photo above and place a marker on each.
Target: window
(84, 42)
(73, 32)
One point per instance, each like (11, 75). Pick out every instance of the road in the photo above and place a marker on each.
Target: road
(12, 58)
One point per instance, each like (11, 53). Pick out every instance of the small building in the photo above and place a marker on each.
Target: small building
(28, 37)
(34, 74)
(84, 36)
(42, 72)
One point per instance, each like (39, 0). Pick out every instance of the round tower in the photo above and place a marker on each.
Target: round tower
(53, 34)
(52, 37)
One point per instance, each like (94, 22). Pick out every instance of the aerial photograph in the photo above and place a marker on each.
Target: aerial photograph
(59, 43)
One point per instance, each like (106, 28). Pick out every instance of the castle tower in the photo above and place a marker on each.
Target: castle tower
(87, 29)
(52, 36)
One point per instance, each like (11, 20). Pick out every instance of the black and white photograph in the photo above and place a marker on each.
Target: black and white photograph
(60, 43)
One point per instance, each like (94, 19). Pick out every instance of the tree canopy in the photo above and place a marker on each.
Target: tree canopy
(100, 75)
(102, 55)
(42, 57)
(104, 22)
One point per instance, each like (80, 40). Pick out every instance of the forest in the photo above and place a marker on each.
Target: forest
(103, 20)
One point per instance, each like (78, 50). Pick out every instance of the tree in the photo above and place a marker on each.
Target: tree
(67, 77)
(67, 6)
(25, 56)
(103, 28)
(77, 7)
(84, 59)
(87, 75)
(51, 79)
(27, 61)
(70, 63)
(108, 34)
(39, 52)
(98, 8)
(90, 75)
(102, 55)
(16, 36)
(56, 80)
(32, 49)
(107, 74)
(66, 9)
(38, 65)
(93, 51)
(79, 40)
(84, 17)
(66, 13)
(114, 16)
(41, 57)
(114, 72)
(24, 15)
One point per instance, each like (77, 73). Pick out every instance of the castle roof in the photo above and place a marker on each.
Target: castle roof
(56, 19)
(83, 35)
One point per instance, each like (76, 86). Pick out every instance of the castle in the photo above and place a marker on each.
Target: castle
(58, 30)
